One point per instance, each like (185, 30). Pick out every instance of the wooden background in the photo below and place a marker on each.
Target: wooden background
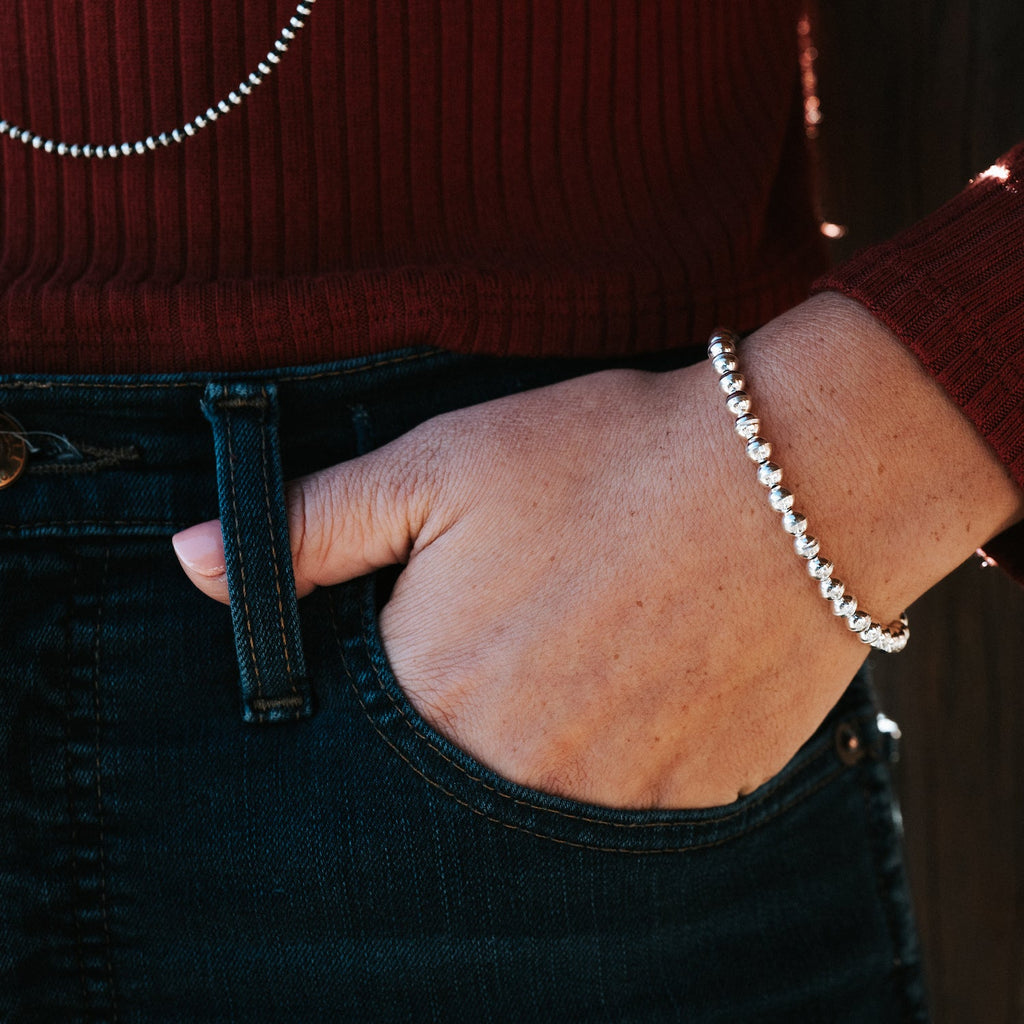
(917, 98)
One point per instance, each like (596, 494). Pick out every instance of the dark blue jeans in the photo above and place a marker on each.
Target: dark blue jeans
(207, 818)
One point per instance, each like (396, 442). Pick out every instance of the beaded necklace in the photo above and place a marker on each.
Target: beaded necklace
(235, 98)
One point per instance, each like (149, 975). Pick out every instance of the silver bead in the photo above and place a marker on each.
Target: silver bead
(287, 33)
(263, 68)
(806, 545)
(212, 114)
(177, 135)
(730, 383)
(871, 634)
(37, 141)
(725, 362)
(280, 46)
(188, 129)
(722, 340)
(844, 606)
(747, 426)
(296, 23)
(150, 142)
(899, 641)
(738, 403)
(74, 150)
(759, 449)
(818, 568)
(199, 121)
(780, 499)
(3, 127)
(884, 642)
(831, 588)
(26, 137)
(768, 474)
(794, 523)
(254, 79)
(62, 148)
(126, 148)
(163, 139)
(858, 621)
(234, 98)
(48, 146)
(223, 107)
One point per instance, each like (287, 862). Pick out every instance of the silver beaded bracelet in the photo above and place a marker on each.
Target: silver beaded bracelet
(892, 638)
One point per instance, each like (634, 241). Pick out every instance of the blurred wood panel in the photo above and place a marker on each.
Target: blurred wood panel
(918, 97)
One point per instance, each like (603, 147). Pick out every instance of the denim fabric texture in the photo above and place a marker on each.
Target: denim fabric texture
(195, 827)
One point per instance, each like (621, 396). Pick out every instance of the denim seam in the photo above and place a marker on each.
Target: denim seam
(797, 797)
(102, 458)
(168, 523)
(295, 699)
(905, 971)
(241, 562)
(100, 818)
(76, 878)
(29, 385)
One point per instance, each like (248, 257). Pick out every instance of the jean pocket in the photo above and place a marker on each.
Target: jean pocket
(459, 777)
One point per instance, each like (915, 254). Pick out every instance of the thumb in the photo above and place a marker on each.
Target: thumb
(342, 522)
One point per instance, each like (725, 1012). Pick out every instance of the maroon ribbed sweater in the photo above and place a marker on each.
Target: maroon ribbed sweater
(537, 177)
(533, 177)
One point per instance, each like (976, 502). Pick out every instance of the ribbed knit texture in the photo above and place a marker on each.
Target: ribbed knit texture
(952, 288)
(534, 177)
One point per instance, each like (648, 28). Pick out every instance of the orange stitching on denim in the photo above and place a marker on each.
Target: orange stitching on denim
(350, 371)
(241, 402)
(274, 556)
(276, 703)
(241, 560)
(797, 797)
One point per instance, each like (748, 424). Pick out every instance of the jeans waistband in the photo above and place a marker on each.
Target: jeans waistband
(134, 455)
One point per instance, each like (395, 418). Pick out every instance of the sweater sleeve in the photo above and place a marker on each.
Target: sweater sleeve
(952, 289)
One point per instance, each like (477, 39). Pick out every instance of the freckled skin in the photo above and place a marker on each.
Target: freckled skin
(527, 524)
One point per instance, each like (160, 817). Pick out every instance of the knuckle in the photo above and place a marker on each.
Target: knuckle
(419, 474)
(311, 505)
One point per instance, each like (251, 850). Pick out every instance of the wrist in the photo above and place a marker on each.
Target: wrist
(900, 486)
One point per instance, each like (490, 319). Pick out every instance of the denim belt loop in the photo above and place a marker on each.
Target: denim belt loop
(261, 584)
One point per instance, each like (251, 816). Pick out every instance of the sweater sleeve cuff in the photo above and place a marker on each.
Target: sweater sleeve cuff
(952, 289)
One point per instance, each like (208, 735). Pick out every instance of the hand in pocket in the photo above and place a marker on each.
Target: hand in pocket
(597, 601)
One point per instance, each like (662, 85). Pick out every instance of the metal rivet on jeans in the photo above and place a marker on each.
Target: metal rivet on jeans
(13, 450)
(849, 745)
